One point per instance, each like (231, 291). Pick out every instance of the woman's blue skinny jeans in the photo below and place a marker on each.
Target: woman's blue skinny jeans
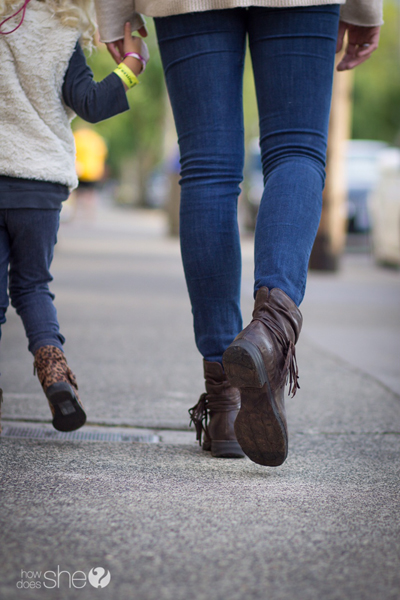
(292, 52)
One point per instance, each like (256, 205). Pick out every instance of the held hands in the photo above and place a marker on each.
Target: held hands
(362, 41)
(134, 55)
(120, 47)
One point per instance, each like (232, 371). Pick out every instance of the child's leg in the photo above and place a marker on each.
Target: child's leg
(33, 235)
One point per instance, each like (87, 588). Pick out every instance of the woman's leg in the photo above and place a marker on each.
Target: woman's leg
(203, 57)
(33, 235)
(293, 54)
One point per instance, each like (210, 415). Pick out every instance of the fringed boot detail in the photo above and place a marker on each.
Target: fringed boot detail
(260, 360)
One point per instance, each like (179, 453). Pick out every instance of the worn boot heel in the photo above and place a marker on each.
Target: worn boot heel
(244, 365)
(68, 414)
(259, 428)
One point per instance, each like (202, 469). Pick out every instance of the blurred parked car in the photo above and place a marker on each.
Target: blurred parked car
(384, 206)
(158, 187)
(362, 174)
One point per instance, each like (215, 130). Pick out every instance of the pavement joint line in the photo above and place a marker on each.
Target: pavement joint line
(32, 421)
(11, 425)
(159, 428)
(353, 368)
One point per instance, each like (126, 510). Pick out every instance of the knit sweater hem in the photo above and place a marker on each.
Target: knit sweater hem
(113, 14)
(175, 7)
(351, 12)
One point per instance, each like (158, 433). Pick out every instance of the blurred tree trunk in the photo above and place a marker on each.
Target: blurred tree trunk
(331, 237)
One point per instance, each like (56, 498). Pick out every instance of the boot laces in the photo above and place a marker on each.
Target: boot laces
(199, 416)
(291, 370)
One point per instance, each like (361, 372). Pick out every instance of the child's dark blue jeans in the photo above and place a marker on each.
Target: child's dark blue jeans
(27, 240)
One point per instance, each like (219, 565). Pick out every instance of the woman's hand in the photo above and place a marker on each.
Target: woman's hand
(116, 49)
(362, 41)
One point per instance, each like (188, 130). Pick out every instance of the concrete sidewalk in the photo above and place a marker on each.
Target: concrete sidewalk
(164, 519)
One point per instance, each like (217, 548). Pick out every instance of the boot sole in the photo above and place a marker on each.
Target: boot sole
(259, 428)
(68, 414)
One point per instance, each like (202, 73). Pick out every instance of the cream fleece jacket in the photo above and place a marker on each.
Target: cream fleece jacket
(112, 14)
(36, 140)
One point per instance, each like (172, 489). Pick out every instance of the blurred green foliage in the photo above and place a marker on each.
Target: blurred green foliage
(376, 106)
(249, 101)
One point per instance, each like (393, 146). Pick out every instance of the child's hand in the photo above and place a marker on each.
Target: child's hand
(137, 45)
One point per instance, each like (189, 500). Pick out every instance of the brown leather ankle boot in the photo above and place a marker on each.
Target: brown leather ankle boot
(215, 413)
(59, 385)
(258, 362)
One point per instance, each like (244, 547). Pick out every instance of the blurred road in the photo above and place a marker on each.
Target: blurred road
(166, 520)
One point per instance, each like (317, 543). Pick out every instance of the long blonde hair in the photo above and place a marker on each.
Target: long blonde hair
(71, 13)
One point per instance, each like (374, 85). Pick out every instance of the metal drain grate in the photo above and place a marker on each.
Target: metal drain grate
(38, 433)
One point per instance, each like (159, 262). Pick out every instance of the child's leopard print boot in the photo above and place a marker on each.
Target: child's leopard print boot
(59, 385)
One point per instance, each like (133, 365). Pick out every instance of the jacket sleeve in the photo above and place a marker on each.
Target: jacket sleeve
(92, 101)
(112, 16)
(367, 13)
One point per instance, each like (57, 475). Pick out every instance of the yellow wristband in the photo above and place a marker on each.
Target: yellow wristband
(127, 76)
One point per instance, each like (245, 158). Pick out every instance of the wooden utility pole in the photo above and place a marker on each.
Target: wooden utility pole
(331, 236)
